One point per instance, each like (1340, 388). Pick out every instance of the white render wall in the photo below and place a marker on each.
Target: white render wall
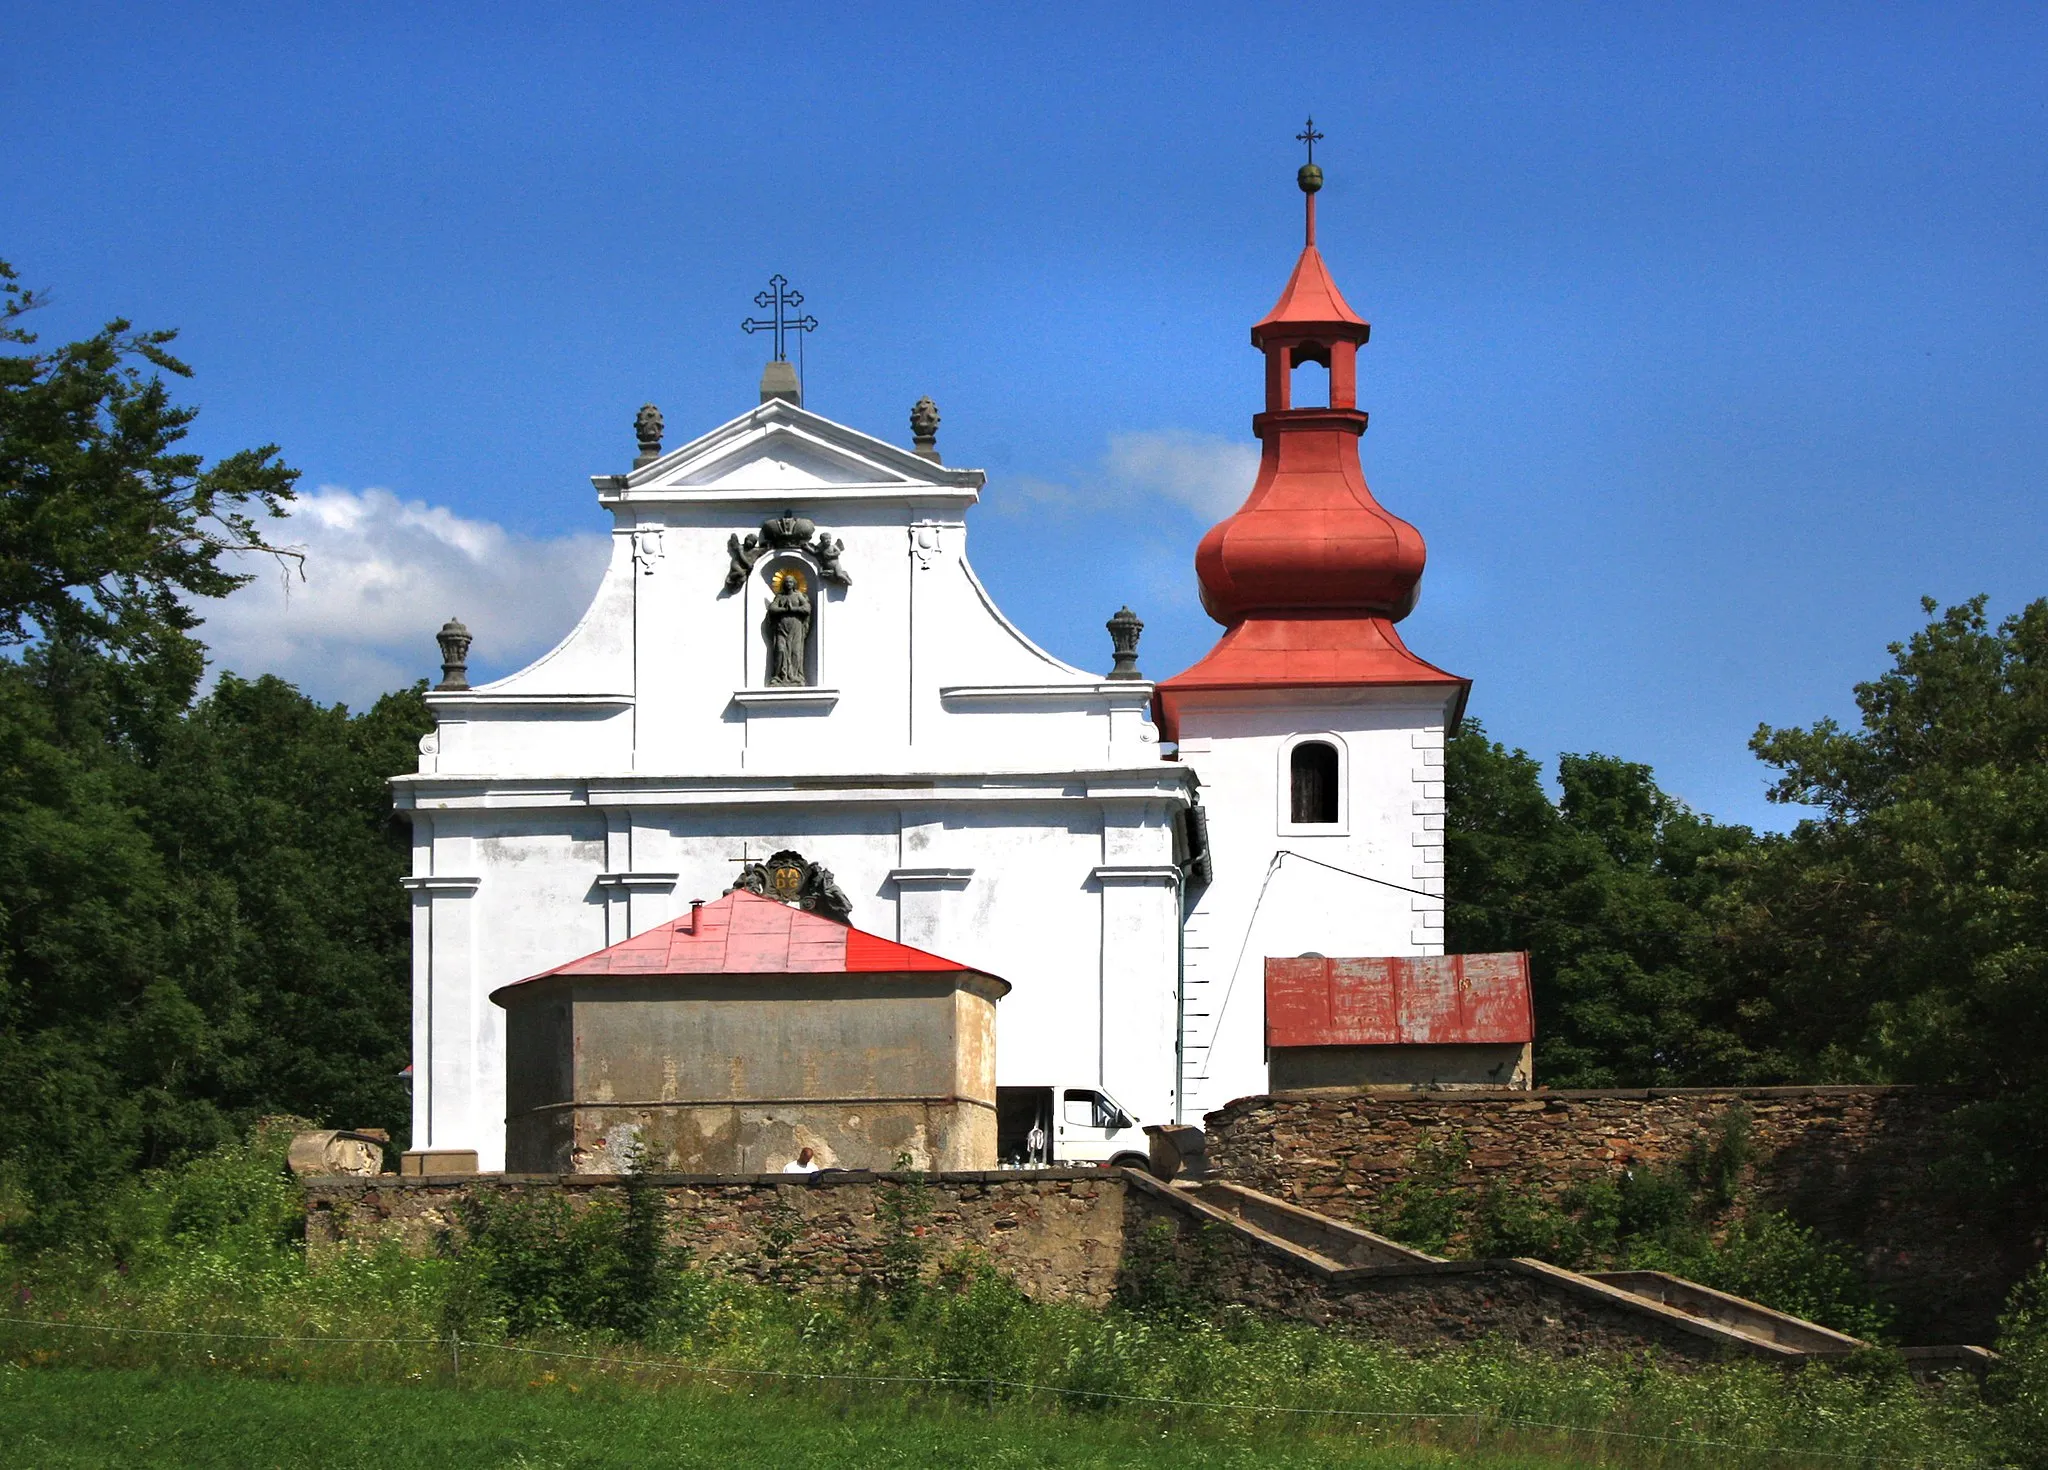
(972, 794)
(1390, 745)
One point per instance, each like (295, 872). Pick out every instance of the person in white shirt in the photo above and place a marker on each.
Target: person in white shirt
(804, 1163)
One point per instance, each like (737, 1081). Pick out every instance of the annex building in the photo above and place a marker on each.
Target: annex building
(791, 680)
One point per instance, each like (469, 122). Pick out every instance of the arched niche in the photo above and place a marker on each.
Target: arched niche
(775, 575)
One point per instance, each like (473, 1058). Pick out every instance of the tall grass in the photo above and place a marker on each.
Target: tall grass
(544, 1295)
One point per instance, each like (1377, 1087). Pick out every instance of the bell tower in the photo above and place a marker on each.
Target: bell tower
(1318, 737)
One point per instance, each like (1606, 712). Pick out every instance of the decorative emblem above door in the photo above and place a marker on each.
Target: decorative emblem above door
(788, 876)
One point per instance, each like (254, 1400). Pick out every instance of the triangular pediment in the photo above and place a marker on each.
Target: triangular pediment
(784, 459)
(779, 450)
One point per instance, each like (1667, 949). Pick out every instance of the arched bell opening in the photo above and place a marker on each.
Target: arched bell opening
(1308, 377)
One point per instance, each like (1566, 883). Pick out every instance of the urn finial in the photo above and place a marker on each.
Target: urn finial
(647, 425)
(1124, 629)
(454, 640)
(924, 429)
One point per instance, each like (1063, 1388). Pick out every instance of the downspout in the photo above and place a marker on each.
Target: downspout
(1193, 862)
(1180, 996)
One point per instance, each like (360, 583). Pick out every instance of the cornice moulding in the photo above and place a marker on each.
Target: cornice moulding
(1135, 692)
(482, 699)
(1135, 873)
(651, 881)
(931, 877)
(440, 884)
(795, 696)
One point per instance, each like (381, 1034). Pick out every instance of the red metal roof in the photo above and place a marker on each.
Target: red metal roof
(1310, 299)
(1431, 1000)
(1310, 574)
(746, 934)
(1292, 652)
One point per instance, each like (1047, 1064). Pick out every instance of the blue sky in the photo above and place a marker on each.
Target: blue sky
(1706, 339)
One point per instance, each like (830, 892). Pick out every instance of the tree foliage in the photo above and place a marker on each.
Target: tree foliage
(1900, 933)
(200, 921)
(106, 528)
(1607, 888)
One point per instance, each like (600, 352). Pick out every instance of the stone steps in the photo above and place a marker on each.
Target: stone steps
(1344, 1260)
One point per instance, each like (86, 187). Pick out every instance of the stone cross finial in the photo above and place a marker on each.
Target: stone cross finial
(647, 425)
(924, 429)
(454, 640)
(1124, 629)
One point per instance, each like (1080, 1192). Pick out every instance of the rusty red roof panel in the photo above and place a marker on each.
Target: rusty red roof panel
(1402, 1000)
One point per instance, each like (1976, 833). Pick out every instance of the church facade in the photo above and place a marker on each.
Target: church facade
(790, 658)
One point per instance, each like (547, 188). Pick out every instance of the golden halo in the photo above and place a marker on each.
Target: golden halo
(786, 578)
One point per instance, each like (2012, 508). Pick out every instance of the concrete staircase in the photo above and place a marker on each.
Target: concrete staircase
(1346, 1258)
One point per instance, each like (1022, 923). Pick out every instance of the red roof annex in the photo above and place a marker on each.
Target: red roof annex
(746, 934)
(1430, 1000)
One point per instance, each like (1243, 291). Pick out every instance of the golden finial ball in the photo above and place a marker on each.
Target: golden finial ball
(1310, 178)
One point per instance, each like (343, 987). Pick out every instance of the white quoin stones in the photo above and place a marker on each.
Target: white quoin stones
(1369, 882)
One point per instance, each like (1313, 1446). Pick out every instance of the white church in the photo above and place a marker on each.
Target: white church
(790, 652)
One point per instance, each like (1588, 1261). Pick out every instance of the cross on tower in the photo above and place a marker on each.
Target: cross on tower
(779, 297)
(1310, 136)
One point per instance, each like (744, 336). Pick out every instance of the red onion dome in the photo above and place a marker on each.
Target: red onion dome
(1310, 538)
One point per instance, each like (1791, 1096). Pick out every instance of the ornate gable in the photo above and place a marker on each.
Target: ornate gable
(778, 451)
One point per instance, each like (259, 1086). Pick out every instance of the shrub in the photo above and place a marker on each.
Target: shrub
(2018, 1387)
(535, 1262)
(1689, 1217)
(1427, 1208)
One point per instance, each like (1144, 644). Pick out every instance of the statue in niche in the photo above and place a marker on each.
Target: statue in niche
(789, 629)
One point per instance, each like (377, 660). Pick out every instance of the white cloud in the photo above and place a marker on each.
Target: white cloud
(1207, 473)
(381, 575)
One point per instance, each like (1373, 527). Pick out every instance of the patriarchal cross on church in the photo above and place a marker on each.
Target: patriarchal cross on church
(780, 299)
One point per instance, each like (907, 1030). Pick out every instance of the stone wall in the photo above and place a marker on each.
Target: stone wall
(1061, 1236)
(1871, 1167)
(1057, 1233)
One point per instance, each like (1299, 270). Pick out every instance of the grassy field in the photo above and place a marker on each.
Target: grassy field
(196, 1333)
(72, 1418)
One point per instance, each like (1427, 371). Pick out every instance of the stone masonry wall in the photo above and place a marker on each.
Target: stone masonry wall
(1057, 1233)
(1871, 1167)
(1060, 1235)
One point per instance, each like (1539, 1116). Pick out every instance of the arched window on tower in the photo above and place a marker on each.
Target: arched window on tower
(1313, 776)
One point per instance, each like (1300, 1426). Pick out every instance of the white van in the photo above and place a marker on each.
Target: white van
(1040, 1127)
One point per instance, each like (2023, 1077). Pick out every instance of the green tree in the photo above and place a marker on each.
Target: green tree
(273, 814)
(1607, 888)
(1902, 931)
(199, 914)
(106, 528)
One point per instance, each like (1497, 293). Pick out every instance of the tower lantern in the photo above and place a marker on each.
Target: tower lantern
(1310, 540)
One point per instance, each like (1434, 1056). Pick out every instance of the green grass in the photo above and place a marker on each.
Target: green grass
(197, 1333)
(72, 1418)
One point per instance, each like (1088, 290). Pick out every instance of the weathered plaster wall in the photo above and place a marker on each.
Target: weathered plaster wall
(732, 1075)
(1390, 750)
(1872, 1167)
